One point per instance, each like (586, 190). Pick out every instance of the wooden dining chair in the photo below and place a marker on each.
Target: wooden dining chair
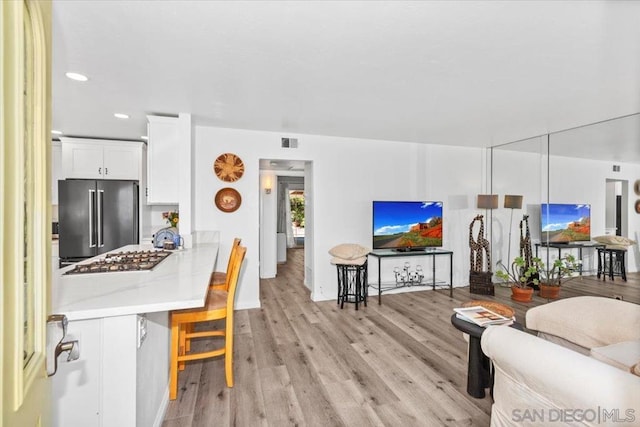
(219, 305)
(218, 278)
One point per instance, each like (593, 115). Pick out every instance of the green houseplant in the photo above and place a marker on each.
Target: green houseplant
(520, 275)
(562, 270)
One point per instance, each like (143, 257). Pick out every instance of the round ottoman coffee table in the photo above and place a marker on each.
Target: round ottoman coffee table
(479, 365)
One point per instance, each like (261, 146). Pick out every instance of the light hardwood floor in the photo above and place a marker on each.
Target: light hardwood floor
(302, 363)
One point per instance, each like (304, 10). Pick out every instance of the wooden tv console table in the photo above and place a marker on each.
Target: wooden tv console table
(390, 253)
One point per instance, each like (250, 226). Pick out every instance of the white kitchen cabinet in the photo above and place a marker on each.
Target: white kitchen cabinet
(162, 160)
(101, 159)
(98, 389)
(56, 170)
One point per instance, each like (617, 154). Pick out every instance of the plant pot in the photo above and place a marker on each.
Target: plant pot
(549, 292)
(521, 294)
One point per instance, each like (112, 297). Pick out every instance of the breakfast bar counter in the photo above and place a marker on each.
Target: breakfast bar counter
(119, 321)
(179, 281)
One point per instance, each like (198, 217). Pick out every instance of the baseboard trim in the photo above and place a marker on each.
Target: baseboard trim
(162, 410)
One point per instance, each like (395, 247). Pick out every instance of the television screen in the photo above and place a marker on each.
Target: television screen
(565, 223)
(407, 224)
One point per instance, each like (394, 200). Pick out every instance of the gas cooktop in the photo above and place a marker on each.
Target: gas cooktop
(122, 261)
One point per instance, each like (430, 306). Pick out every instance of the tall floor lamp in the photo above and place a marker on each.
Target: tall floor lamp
(511, 202)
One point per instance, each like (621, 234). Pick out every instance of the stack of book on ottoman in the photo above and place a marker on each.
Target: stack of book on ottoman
(481, 316)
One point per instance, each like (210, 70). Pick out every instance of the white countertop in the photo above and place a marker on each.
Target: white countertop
(180, 281)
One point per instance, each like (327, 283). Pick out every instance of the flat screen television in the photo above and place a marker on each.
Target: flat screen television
(407, 225)
(565, 223)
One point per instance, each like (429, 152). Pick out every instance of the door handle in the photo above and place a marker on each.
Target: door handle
(100, 226)
(99, 171)
(56, 326)
(106, 171)
(92, 196)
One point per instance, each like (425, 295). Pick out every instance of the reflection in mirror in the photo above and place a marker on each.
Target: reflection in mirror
(616, 140)
(595, 164)
(518, 168)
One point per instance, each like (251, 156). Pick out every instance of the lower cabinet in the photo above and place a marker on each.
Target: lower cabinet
(113, 383)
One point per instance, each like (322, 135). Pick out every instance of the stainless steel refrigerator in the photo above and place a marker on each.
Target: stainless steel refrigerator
(96, 216)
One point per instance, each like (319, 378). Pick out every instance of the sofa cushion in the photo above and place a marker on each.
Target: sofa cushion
(343, 261)
(349, 251)
(587, 321)
(623, 355)
(611, 240)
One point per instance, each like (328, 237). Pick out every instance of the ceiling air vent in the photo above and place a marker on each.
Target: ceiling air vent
(289, 142)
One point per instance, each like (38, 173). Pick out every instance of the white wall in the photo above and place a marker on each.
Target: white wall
(346, 175)
(269, 215)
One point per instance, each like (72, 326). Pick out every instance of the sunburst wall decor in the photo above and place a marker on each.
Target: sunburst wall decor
(228, 167)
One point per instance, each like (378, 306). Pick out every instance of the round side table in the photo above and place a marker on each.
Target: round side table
(479, 375)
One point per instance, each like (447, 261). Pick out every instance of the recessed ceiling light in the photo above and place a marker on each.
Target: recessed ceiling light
(77, 76)
(144, 137)
(56, 132)
(121, 116)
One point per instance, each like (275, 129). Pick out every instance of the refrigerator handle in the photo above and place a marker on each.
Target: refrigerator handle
(92, 196)
(100, 208)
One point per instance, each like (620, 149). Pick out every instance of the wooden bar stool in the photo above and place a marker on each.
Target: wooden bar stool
(219, 278)
(219, 305)
(611, 263)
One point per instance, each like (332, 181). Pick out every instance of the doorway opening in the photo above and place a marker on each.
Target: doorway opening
(291, 221)
(286, 216)
(296, 201)
(616, 207)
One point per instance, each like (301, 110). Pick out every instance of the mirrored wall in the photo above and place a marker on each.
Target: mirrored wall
(591, 169)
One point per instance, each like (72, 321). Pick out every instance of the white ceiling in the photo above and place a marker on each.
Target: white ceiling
(465, 73)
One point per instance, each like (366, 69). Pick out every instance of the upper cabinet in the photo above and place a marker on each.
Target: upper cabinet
(162, 155)
(101, 159)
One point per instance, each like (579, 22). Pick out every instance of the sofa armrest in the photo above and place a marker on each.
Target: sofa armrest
(534, 376)
(587, 321)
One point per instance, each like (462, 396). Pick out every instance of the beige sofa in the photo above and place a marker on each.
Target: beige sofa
(538, 382)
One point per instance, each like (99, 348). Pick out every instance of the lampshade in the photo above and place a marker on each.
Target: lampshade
(512, 202)
(487, 201)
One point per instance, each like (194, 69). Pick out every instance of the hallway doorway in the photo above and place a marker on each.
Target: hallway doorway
(616, 207)
(296, 202)
(286, 217)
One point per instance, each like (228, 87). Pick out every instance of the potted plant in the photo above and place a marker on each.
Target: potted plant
(520, 276)
(561, 270)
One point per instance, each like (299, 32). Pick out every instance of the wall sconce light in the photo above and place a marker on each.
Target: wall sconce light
(267, 185)
(487, 201)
